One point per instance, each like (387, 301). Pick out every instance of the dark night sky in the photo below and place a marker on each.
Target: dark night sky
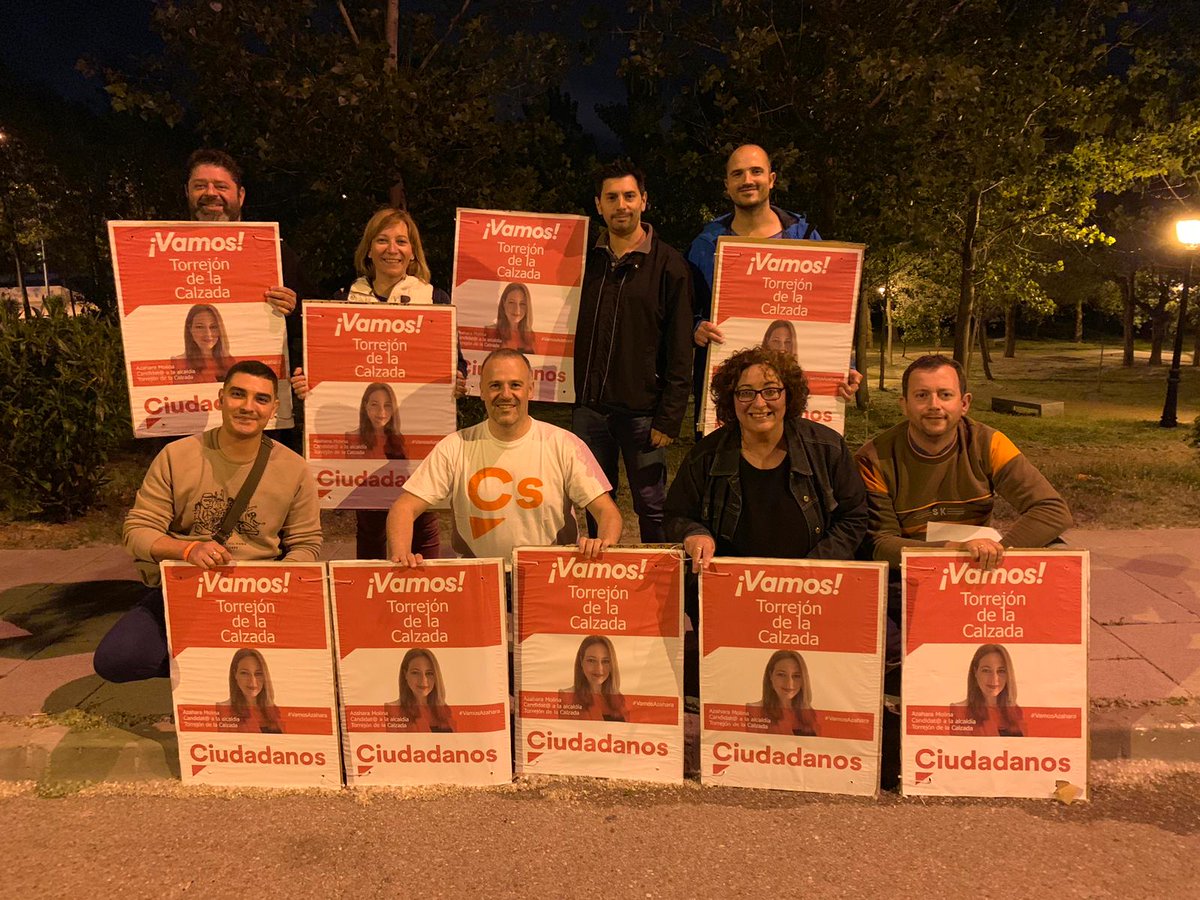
(43, 39)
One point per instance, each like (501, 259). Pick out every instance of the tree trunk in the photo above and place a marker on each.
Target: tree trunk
(985, 355)
(1158, 322)
(392, 27)
(863, 397)
(966, 285)
(21, 286)
(1196, 349)
(1010, 331)
(1128, 299)
(1079, 321)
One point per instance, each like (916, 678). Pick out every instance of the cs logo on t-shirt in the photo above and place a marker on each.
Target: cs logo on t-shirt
(490, 490)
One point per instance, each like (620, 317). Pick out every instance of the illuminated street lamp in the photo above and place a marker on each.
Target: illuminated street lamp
(1188, 233)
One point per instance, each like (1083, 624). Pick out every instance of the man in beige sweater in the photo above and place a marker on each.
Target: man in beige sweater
(182, 501)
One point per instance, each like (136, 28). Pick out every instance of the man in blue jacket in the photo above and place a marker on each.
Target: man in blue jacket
(749, 178)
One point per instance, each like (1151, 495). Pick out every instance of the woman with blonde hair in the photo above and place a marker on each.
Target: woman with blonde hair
(205, 347)
(781, 337)
(596, 689)
(421, 705)
(786, 704)
(251, 697)
(991, 705)
(390, 262)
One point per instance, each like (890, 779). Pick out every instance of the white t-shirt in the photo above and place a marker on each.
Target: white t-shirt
(510, 494)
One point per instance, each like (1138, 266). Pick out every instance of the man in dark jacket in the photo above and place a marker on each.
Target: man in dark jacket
(633, 346)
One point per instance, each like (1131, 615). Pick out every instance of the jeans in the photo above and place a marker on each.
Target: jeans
(136, 647)
(613, 436)
(371, 534)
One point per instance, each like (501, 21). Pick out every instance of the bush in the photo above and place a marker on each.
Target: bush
(63, 407)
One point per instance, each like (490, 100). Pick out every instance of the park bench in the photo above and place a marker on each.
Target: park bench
(1017, 405)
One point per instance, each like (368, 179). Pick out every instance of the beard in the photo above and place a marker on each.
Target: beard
(216, 211)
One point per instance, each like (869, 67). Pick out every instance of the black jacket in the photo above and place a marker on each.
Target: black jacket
(706, 496)
(633, 344)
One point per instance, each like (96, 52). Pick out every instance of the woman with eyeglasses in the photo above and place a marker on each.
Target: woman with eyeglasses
(768, 482)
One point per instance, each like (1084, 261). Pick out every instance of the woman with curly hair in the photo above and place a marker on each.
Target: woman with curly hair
(251, 697)
(786, 704)
(421, 705)
(991, 705)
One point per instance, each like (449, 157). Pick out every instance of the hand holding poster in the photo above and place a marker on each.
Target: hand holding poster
(191, 302)
(381, 395)
(252, 674)
(971, 638)
(423, 672)
(599, 663)
(791, 674)
(799, 297)
(517, 281)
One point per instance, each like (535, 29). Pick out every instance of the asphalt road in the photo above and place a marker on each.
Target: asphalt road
(1138, 837)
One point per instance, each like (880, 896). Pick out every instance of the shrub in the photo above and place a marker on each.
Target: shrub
(63, 407)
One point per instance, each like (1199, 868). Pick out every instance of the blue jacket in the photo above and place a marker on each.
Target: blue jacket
(703, 253)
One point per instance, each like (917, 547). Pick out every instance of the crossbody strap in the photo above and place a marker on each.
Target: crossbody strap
(222, 534)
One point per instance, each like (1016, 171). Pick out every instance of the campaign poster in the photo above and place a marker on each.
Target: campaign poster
(599, 663)
(799, 297)
(422, 672)
(517, 281)
(791, 674)
(252, 674)
(995, 696)
(381, 395)
(190, 296)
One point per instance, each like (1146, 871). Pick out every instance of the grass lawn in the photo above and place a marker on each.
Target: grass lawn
(1107, 455)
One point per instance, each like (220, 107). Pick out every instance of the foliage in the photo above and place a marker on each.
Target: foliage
(63, 407)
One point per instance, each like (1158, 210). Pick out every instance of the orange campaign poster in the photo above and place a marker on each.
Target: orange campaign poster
(995, 694)
(599, 663)
(422, 672)
(796, 296)
(381, 395)
(517, 281)
(191, 302)
(791, 674)
(252, 674)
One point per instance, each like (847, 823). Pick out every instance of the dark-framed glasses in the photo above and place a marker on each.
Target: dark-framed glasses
(747, 395)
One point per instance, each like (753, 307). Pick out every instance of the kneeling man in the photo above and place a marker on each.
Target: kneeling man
(511, 480)
(182, 504)
(941, 466)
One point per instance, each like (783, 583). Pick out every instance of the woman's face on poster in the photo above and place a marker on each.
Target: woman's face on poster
(391, 251)
(597, 665)
(205, 331)
(991, 675)
(380, 409)
(249, 677)
(516, 307)
(780, 339)
(786, 680)
(421, 677)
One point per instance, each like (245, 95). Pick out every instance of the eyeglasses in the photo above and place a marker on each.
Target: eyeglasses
(747, 395)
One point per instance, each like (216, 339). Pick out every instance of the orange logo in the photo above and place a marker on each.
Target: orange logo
(490, 499)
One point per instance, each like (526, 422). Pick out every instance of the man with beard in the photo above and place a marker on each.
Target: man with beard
(749, 178)
(633, 346)
(182, 503)
(215, 193)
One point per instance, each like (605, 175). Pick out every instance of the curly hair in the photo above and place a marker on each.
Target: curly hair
(783, 366)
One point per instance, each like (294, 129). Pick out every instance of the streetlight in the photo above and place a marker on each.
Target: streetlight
(1188, 233)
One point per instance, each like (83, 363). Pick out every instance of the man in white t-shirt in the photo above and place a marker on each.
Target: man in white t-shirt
(512, 481)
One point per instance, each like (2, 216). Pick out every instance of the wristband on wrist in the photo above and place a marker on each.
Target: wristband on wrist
(188, 549)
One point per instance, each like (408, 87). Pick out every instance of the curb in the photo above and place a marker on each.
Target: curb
(61, 759)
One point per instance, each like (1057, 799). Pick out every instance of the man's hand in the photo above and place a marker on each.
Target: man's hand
(986, 552)
(848, 386)
(299, 383)
(407, 558)
(208, 555)
(700, 547)
(282, 299)
(707, 331)
(460, 385)
(591, 548)
(658, 439)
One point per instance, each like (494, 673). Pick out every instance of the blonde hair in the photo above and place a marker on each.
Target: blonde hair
(384, 219)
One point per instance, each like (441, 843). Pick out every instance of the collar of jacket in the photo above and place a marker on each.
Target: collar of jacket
(729, 451)
(642, 249)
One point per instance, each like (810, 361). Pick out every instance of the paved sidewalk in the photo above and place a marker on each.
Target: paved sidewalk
(60, 724)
